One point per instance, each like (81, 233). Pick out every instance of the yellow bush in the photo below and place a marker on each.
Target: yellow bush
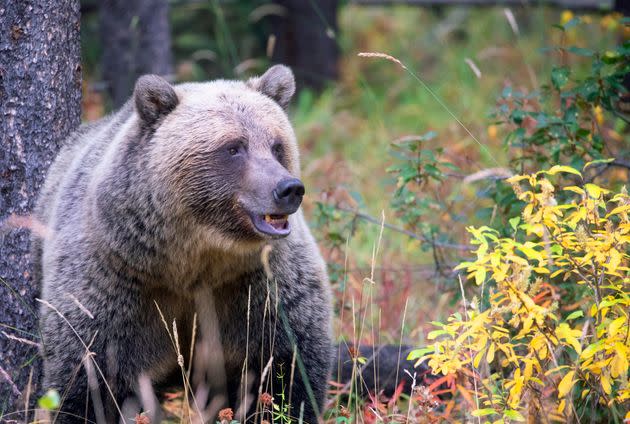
(521, 349)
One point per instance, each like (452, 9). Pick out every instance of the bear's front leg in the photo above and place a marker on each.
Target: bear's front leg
(304, 350)
(306, 392)
(76, 367)
(94, 362)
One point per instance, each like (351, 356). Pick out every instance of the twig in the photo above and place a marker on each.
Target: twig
(408, 233)
(8, 379)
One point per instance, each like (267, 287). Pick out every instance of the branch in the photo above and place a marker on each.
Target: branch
(408, 233)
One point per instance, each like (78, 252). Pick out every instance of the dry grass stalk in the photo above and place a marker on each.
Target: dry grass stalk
(383, 56)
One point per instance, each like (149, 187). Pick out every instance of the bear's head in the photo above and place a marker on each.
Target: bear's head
(225, 152)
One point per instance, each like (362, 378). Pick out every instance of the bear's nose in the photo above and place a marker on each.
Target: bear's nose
(288, 194)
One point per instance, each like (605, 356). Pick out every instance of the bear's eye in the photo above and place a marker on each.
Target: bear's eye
(278, 151)
(233, 151)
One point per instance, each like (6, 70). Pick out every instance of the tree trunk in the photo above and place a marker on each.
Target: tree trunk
(136, 40)
(40, 104)
(623, 7)
(306, 40)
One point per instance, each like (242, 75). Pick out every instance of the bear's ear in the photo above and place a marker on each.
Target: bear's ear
(278, 83)
(154, 98)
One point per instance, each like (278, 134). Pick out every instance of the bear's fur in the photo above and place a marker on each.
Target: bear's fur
(150, 207)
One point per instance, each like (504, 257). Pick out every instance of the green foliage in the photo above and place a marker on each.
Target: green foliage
(50, 400)
(418, 167)
(563, 123)
(281, 412)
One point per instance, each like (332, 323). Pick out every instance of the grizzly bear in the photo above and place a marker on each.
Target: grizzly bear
(180, 214)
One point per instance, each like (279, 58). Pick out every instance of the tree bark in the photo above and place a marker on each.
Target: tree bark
(136, 40)
(306, 40)
(40, 104)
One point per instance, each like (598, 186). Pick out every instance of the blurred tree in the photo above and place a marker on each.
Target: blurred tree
(623, 7)
(305, 39)
(40, 103)
(136, 40)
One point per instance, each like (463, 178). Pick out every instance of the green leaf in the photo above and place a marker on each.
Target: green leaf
(559, 77)
(514, 222)
(575, 314)
(513, 415)
(483, 412)
(419, 353)
(597, 162)
(435, 333)
(50, 400)
(581, 51)
(610, 58)
(517, 116)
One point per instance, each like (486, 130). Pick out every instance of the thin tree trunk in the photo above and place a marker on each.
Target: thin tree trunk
(40, 103)
(623, 7)
(306, 40)
(136, 40)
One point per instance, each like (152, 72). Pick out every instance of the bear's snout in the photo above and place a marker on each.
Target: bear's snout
(288, 195)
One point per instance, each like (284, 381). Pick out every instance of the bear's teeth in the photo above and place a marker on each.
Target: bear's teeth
(272, 218)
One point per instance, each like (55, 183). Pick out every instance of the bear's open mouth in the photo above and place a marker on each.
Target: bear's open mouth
(272, 224)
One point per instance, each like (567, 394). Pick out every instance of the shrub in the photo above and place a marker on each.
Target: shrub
(522, 350)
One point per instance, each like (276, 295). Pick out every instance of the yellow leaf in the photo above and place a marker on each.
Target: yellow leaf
(614, 326)
(531, 253)
(574, 189)
(618, 210)
(490, 356)
(477, 359)
(527, 373)
(606, 384)
(559, 168)
(517, 178)
(563, 331)
(594, 191)
(556, 273)
(480, 275)
(561, 406)
(566, 384)
(619, 363)
(614, 260)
